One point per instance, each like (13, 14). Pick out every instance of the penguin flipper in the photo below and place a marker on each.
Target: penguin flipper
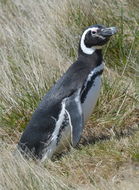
(73, 107)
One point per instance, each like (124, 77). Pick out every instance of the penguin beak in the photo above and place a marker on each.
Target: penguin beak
(107, 32)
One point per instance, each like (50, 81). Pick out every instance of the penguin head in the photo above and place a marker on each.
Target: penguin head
(94, 37)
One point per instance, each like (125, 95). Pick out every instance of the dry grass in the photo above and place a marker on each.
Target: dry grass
(38, 42)
(111, 165)
(17, 173)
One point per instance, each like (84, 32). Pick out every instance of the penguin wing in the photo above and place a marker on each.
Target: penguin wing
(74, 109)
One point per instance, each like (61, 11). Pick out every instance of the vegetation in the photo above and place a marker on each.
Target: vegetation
(38, 42)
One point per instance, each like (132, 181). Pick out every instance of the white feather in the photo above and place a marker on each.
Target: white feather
(93, 93)
(77, 100)
(65, 138)
(85, 49)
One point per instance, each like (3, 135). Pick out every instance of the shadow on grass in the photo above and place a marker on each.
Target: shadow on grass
(91, 139)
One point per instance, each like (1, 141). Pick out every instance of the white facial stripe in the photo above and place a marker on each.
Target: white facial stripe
(85, 49)
(94, 29)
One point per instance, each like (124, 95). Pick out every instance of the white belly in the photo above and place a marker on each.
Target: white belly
(91, 98)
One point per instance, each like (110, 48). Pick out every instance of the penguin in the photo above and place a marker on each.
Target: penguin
(59, 119)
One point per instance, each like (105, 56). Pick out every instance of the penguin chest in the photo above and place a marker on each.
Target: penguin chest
(90, 97)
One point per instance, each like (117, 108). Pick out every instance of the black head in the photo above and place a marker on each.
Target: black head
(94, 37)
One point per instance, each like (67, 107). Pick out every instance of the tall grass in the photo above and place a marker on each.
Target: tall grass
(39, 41)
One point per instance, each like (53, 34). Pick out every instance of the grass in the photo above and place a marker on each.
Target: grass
(39, 41)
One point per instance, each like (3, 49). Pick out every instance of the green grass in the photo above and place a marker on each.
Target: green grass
(38, 42)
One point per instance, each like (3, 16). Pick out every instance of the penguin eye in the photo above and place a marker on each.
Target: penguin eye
(94, 32)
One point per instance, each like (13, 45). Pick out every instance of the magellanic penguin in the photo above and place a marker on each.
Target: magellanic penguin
(61, 115)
